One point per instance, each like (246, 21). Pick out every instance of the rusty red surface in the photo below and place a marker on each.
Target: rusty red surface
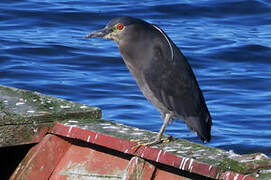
(119, 144)
(57, 158)
(42, 159)
(163, 175)
(139, 169)
(235, 176)
(87, 162)
(41, 133)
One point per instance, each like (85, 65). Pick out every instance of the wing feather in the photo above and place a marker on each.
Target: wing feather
(174, 84)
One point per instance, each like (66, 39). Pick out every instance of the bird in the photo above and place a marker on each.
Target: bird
(162, 73)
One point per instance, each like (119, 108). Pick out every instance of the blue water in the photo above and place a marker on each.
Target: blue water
(227, 42)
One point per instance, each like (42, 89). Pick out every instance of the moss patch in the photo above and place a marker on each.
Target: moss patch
(232, 165)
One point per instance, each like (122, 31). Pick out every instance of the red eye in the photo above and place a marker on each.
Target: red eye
(120, 26)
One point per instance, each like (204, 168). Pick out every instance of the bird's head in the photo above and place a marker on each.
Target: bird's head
(119, 29)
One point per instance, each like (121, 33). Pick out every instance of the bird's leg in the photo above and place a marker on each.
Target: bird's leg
(158, 138)
(167, 118)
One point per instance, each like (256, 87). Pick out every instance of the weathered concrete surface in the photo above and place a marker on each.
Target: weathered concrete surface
(26, 116)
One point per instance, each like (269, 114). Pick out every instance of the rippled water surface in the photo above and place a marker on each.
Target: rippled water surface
(227, 43)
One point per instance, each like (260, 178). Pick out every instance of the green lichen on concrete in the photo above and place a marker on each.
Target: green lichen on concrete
(264, 175)
(202, 153)
(253, 167)
(22, 111)
(266, 163)
(1, 105)
(232, 165)
(22, 106)
(49, 118)
(19, 134)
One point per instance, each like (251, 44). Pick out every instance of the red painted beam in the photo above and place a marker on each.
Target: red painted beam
(81, 162)
(154, 154)
(42, 159)
(139, 169)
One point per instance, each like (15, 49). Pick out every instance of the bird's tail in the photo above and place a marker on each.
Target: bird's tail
(201, 126)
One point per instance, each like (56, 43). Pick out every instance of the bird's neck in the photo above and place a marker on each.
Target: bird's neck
(134, 54)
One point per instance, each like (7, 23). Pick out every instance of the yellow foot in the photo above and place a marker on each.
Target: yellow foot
(151, 143)
(135, 140)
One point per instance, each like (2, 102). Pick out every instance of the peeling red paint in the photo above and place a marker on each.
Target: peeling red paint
(139, 169)
(96, 138)
(235, 176)
(88, 162)
(41, 159)
(163, 175)
(55, 158)
(41, 133)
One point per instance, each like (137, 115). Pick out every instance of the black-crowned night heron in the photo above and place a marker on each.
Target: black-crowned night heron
(161, 72)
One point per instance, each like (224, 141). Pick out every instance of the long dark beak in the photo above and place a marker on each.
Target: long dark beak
(100, 33)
